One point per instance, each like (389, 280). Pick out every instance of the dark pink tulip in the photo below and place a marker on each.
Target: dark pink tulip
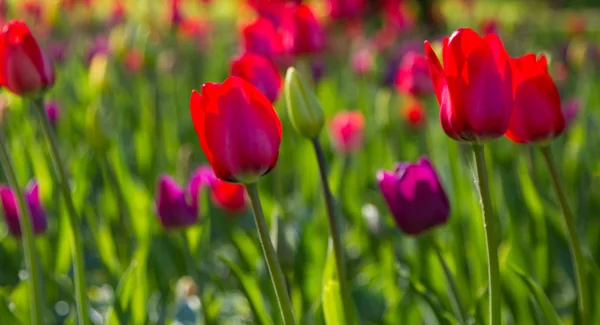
(415, 196)
(262, 37)
(260, 72)
(171, 205)
(346, 9)
(413, 75)
(302, 33)
(11, 209)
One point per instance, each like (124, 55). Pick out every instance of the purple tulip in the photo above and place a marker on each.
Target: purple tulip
(11, 209)
(53, 112)
(171, 205)
(415, 196)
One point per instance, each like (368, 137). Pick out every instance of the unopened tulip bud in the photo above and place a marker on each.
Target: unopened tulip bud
(304, 108)
(171, 205)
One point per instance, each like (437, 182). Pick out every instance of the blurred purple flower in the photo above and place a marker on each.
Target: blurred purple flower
(171, 205)
(413, 75)
(393, 61)
(415, 196)
(99, 45)
(57, 51)
(53, 111)
(11, 210)
(317, 68)
(570, 110)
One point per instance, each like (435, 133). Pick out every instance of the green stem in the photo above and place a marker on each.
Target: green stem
(283, 299)
(574, 244)
(28, 240)
(489, 224)
(453, 293)
(191, 265)
(78, 258)
(336, 236)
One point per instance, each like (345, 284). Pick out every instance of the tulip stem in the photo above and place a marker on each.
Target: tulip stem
(76, 242)
(283, 298)
(489, 224)
(336, 236)
(31, 261)
(574, 244)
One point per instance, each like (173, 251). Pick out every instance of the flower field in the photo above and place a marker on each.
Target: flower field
(315, 162)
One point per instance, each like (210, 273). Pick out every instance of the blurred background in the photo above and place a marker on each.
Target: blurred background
(120, 106)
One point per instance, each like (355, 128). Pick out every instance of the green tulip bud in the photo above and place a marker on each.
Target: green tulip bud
(303, 106)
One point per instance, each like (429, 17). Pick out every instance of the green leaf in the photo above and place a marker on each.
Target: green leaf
(540, 298)
(332, 303)
(252, 291)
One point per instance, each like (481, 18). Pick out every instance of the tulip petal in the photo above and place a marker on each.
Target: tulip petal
(460, 45)
(488, 101)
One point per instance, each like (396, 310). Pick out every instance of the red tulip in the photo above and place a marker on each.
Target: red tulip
(347, 131)
(238, 129)
(413, 75)
(302, 33)
(261, 37)
(346, 9)
(24, 69)
(475, 86)
(259, 71)
(537, 115)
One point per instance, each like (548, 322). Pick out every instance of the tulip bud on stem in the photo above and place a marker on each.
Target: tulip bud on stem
(335, 232)
(76, 242)
(574, 244)
(283, 298)
(31, 261)
(489, 224)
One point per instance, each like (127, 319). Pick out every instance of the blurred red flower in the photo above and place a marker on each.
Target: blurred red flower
(302, 33)
(347, 131)
(413, 75)
(414, 113)
(262, 37)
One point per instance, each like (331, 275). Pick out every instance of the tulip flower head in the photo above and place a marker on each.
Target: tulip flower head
(304, 109)
(238, 129)
(11, 209)
(347, 131)
(229, 197)
(475, 86)
(302, 33)
(413, 75)
(171, 205)
(262, 37)
(260, 72)
(415, 196)
(24, 68)
(362, 61)
(537, 114)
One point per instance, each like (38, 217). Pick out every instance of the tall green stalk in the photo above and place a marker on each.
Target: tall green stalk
(76, 243)
(28, 240)
(574, 244)
(489, 224)
(336, 237)
(283, 298)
